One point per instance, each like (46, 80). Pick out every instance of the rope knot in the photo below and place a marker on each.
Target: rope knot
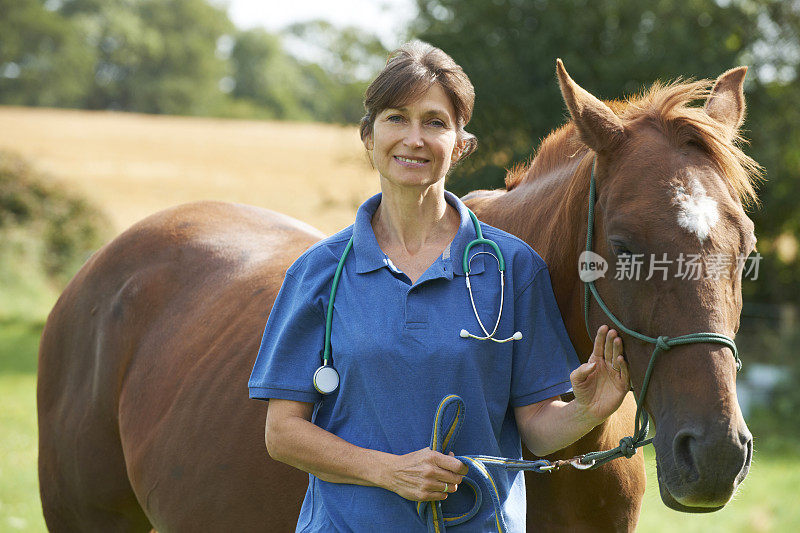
(627, 447)
(661, 342)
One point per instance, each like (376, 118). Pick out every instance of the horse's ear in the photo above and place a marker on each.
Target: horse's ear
(600, 128)
(725, 104)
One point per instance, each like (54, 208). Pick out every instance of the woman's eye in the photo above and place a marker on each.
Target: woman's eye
(394, 118)
(437, 123)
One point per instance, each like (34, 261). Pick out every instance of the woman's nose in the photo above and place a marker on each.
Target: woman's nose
(413, 138)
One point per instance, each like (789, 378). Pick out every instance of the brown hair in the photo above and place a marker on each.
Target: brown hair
(410, 71)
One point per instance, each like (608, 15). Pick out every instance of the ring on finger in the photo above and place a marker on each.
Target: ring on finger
(446, 486)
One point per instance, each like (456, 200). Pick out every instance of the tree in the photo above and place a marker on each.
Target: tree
(616, 47)
(153, 56)
(264, 74)
(345, 61)
(42, 58)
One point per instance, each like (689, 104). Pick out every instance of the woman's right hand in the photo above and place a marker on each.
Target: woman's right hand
(421, 475)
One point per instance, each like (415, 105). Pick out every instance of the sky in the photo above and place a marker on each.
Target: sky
(384, 18)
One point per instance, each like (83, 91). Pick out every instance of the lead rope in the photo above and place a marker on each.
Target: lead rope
(446, 425)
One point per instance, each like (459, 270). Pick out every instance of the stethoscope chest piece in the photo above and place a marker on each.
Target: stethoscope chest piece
(326, 379)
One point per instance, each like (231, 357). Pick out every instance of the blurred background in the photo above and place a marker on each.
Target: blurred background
(111, 110)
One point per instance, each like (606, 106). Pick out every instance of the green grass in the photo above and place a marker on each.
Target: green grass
(19, 489)
(768, 500)
(19, 346)
(25, 290)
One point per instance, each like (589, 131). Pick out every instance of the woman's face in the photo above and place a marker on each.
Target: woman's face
(415, 145)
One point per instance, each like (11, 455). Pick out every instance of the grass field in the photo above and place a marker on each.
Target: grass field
(767, 502)
(133, 165)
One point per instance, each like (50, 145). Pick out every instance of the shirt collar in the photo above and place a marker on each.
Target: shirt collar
(369, 256)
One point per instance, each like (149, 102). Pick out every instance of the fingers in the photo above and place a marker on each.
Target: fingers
(439, 484)
(580, 374)
(449, 487)
(599, 340)
(418, 476)
(624, 373)
(433, 496)
(463, 470)
(616, 352)
(449, 462)
(617, 360)
(608, 349)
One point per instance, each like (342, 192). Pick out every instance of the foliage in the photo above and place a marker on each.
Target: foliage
(508, 48)
(42, 58)
(153, 56)
(40, 219)
(283, 86)
(345, 61)
(781, 415)
(614, 48)
(179, 57)
(264, 74)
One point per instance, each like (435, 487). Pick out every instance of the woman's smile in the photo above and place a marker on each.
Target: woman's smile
(411, 162)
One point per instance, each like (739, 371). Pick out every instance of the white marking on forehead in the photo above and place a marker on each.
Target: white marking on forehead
(697, 212)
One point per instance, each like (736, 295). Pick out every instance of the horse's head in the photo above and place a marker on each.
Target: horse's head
(671, 180)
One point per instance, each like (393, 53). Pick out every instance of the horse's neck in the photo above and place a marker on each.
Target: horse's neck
(546, 212)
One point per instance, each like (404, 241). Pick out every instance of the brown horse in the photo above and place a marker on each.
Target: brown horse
(144, 417)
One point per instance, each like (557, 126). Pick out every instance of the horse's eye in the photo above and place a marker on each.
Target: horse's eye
(620, 250)
(694, 144)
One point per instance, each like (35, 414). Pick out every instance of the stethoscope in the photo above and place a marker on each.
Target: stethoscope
(326, 378)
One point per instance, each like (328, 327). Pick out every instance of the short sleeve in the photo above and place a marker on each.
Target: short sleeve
(291, 347)
(544, 357)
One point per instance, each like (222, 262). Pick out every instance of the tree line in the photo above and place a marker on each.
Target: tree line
(177, 57)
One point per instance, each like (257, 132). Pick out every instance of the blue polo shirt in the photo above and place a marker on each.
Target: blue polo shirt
(397, 349)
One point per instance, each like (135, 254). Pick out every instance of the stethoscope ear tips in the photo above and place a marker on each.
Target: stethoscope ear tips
(465, 334)
(517, 336)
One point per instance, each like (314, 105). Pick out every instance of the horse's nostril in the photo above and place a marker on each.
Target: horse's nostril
(747, 443)
(683, 449)
(746, 438)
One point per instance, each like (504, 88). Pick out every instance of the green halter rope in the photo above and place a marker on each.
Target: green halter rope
(627, 445)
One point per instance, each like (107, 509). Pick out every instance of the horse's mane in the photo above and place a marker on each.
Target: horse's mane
(668, 108)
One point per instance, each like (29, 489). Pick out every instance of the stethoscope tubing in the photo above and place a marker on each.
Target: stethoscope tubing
(326, 378)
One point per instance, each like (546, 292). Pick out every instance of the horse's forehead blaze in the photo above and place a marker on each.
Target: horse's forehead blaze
(697, 212)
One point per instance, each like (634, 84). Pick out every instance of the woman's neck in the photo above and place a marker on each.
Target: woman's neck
(409, 219)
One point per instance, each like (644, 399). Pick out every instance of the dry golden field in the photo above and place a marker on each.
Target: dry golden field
(133, 165)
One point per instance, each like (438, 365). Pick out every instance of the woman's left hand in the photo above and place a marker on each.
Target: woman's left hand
(602, 382)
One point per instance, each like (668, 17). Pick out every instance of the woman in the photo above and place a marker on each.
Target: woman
(399, 309)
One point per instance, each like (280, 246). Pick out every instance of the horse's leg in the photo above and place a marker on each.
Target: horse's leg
(83, 481)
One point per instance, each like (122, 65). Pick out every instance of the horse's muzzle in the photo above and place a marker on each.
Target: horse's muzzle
(699, 469)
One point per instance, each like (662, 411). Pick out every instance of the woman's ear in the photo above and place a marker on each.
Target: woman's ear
(369, 144)
(458, 149)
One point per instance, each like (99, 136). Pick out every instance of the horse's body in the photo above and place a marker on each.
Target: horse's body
(144, 419)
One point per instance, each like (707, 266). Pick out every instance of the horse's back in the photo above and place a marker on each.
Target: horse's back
(142, 389)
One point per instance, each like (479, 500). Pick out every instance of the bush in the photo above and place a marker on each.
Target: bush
(42, 222)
